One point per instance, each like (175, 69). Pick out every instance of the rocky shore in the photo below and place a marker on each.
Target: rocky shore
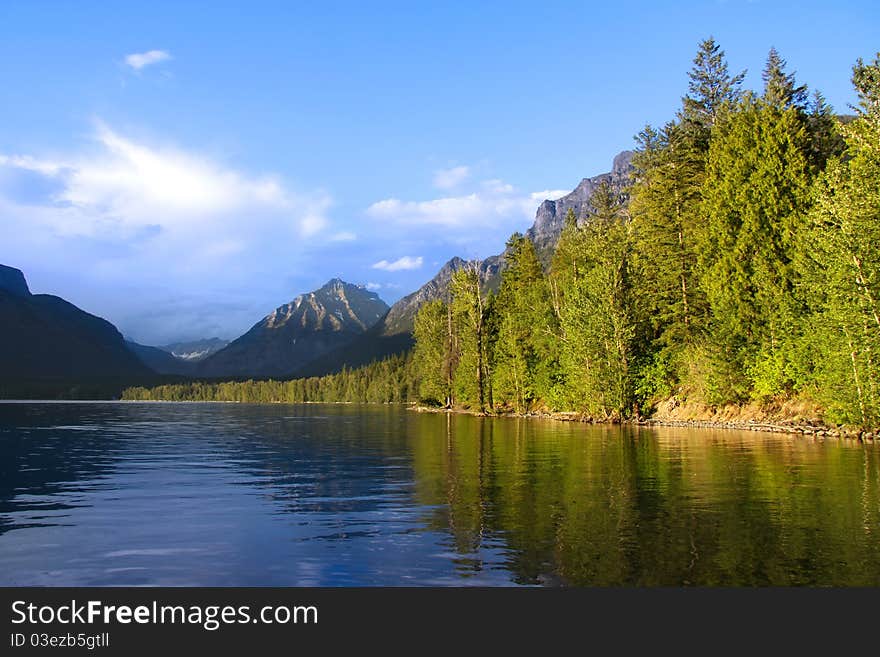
(793, 426)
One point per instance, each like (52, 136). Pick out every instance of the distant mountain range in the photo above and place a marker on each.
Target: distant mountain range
(196, 350)
(337, 325)
(179, 358)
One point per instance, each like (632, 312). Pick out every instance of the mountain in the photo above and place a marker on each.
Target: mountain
(544, 233)
(550, 217)
(44, 337)
(179, 358)
(393, 333)
(195, 350)
(298, 332)
(159, 360)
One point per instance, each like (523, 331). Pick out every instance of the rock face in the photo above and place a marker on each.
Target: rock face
(550, 218)
(298, 332)
(44, 337)
(196, 350)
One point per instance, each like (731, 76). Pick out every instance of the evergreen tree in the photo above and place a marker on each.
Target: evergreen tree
(665, 209)
(780, 88)
(523, 346)
(711, 88)
(755, 194)
(826, 140)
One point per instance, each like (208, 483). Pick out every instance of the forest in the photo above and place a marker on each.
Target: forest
(741, 264)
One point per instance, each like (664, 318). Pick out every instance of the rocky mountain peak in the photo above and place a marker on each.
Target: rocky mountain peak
(299, 331)
(550, 217)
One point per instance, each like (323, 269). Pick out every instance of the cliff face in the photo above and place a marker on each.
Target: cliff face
(550, 218)
(298, 332)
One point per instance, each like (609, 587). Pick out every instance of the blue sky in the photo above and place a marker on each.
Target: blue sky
(183, 168)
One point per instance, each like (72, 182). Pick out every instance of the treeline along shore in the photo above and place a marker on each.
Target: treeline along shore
(740, 269)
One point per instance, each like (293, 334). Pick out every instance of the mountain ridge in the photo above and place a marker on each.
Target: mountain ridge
(45, 337)
(309, 326)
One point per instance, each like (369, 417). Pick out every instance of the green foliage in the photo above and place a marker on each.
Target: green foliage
(599, 316)
(665, 208)
(780, 88)
(433, 357)
(841, 267)
(744, 265)
(711, 91)
(471, 378)
(755, 195)
(524, 348)
(387, 381)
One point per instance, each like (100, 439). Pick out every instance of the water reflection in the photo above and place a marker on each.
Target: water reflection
(342, 495)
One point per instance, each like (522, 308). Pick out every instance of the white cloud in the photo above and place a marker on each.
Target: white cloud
(373, 286)
(549, 195)
(451, 178)
(404, 263)
(343, 236)
(495, 205)
(126, 186)
(125, 212)
(139, 60)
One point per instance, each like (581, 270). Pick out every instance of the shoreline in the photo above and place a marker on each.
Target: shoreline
(804, 429)
(813, 428)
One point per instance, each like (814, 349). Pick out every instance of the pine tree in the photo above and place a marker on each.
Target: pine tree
(523, 344)
(711, 89)
(826, 141)
(780, 88)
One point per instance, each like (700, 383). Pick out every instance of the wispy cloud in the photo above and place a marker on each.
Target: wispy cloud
(140, 60)
(404, 263)
(451, 178)
(343, 236)
(549, 195)
(127, 184)
(123, 213)
(495, 204)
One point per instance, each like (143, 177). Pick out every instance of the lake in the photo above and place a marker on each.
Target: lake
(339, 495)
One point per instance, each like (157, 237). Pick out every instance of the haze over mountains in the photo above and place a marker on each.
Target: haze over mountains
(338, 325)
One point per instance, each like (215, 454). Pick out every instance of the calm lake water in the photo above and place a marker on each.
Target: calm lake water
(335, 495)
